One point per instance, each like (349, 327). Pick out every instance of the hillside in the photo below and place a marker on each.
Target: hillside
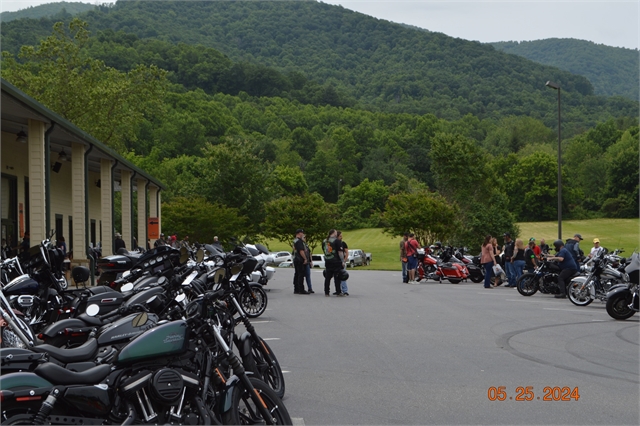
(48, 10)
(611, 70)
(382, 65)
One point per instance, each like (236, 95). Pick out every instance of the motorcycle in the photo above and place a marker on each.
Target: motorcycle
(476, 271)
(543, 278)
(602, 276)
(623, 299)
(177, 372)
(444, 267)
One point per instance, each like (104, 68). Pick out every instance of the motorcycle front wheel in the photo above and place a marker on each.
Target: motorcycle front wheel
(527, 284)
(618, 306)
(267, 366)
(579, 297)
(477, 277)
(253, 302)
(244, 411)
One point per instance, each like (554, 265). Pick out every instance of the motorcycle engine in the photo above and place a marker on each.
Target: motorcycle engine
(166, 386)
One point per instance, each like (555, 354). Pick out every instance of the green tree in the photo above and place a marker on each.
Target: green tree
(361, 206)
(202, 220)
(309, 212)
(287, 181)
(102, 101)
(426, 214)
(303, 143)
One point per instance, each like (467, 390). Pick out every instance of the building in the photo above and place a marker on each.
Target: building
(57, 177)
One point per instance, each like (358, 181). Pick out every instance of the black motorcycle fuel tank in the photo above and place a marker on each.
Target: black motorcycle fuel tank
(23, 284)
(124, 329)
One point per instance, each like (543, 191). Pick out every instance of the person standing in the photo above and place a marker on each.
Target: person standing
(536, 249)
(544, 247)
(509, 247)
(568, 267)
(299, 263)
(160, 241)
(497, 251)
(25, 245)
(403, 257)
(307, 271)
(530, 258)
(217, 244)
(573, 245)
(412, 247)
(344, 256)
(487, 259)
(518, 259)
(596, 249)
(333, 265)
(119, 243)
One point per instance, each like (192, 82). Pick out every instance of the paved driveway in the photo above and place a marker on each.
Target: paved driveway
(428, 353)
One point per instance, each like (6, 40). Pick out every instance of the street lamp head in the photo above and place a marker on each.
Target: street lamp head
(553, 85)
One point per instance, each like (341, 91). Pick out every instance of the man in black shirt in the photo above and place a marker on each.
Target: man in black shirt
(333, 264)
(120, 242)
(299, 262)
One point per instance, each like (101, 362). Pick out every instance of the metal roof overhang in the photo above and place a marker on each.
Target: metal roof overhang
(18, 108)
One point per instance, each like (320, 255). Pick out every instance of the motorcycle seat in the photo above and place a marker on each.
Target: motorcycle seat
(82, 353)
(89, 320)
(61, 376)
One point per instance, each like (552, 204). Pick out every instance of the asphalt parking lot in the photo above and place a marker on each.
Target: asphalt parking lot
(431, 353)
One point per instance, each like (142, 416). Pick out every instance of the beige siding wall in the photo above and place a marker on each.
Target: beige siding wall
(77, 200)
(37, 225)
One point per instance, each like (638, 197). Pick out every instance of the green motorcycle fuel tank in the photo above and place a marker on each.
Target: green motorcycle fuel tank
(164, 340)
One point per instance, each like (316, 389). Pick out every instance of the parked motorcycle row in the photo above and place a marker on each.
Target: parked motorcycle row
(608, 277)
(155, 344)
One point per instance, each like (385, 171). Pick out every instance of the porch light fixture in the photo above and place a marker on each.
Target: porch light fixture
(21, 136)
(63, 156)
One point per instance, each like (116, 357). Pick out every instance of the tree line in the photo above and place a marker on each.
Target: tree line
(237, 164)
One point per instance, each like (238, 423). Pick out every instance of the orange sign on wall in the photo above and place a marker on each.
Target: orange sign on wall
(153, 228)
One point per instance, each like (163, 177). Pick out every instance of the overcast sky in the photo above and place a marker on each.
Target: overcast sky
(614, 23)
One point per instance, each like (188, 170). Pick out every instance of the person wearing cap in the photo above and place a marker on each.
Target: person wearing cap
(573, 245)
(597, 248)
(530, 257)
(536, 249)
(568, 267)
(119, 243)
(510, 269)
(300, 262)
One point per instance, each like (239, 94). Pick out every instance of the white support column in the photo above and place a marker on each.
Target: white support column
(159, 211)
(142, 213)
(105, 205)
(153, 201)
(37, 222)
(125, 189)
(78, 201)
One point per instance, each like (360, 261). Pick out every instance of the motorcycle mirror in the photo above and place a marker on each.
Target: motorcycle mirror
(125, 288)
(92, 310)
(199, 255)
(184, 255)
(262, 248)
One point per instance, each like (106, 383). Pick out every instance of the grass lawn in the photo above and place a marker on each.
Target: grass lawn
(613, 233)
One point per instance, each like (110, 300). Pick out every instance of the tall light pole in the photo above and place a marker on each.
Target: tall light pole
(557, 87)
(339, 182)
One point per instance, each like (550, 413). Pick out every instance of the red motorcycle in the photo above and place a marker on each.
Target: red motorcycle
(443, 267)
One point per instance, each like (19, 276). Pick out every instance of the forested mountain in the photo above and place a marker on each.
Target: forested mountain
(611, 70)
(381, 65)
(49, 10)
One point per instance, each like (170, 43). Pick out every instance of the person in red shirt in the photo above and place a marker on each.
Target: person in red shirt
(412, 247)
(536, 249)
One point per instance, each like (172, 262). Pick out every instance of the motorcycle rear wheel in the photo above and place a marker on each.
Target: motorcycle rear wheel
(253, 303)
(527, 284)
(454, 280)
(618, 306)
(476, 278)
(244, 412)
(577, 297)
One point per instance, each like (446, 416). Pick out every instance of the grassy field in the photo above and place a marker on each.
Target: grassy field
(613, 233)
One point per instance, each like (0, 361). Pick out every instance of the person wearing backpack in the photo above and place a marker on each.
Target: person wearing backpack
(299, 263)
(331, 247)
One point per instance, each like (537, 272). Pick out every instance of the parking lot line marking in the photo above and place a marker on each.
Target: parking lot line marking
(598, 320)
(558, 309)
(271, 338)
(259, 322)
(297, 421)
(285, 371)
